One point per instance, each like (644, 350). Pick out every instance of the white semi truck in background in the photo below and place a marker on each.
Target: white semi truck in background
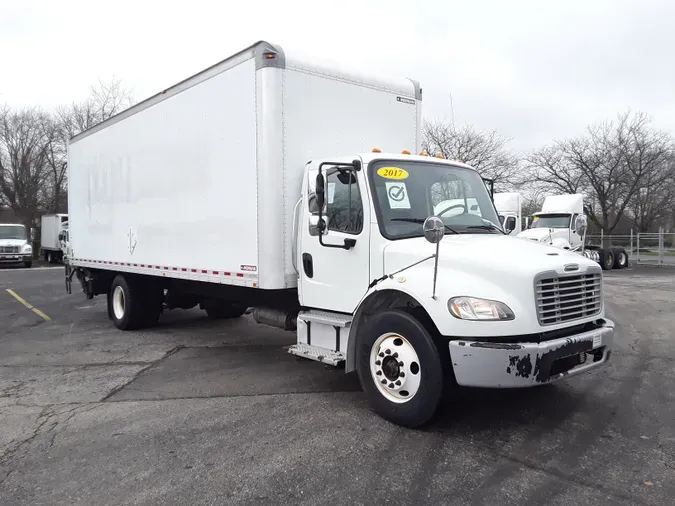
(509, 210)
(290, 209)
(15, 244)
(52, 231)
(556, 224)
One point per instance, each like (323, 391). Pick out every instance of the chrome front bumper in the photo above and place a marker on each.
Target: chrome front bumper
(518, 365)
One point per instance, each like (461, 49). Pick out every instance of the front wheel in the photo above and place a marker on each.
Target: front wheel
(28, 264)
(400, 368)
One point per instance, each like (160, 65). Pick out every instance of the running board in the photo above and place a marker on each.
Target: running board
(325, 318)
(318, 354)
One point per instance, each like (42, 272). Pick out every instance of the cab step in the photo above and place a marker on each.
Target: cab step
(318, 354)
(326, 318)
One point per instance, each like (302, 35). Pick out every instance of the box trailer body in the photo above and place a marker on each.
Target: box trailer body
(201, 181)
(287, 189)
(52, 227)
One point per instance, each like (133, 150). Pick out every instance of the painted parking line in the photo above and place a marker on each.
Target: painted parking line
(29, 306)
(30, 269)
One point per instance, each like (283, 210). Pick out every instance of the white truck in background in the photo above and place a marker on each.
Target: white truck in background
(556, 224)
(15, 247)
(290, 210)
(509, 210)
(52, 228)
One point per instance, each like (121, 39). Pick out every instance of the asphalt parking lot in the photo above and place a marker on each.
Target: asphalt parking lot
(200, 412)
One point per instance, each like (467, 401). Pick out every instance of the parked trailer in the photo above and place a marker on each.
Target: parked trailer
(286, 210)
(562, 223)
(51, 235)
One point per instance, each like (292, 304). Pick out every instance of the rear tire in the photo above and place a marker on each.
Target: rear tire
(620, 258)
(125, 303)
(606, 259)
(400, 368)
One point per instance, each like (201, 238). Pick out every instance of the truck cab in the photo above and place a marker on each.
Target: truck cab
(383, 273)
(15, 247)
(509, 208)
(555, 224)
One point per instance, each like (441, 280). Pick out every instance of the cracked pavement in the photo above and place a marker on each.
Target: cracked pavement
(201, 412)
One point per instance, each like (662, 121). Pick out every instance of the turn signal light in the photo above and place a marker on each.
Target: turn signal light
(377, 150)
(439, 155)
(405, 152)
(424, 153)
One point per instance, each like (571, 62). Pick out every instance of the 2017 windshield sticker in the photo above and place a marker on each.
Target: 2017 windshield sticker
(392, 173)
(397, 194)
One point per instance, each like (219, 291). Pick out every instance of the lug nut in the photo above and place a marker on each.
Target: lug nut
(384, 382)
(377, 362)
(395, 355)
(400, 364)
(401, 374)
(381, 354)
(379, 373)
(398, 383)
(391, 385)
(388, 352)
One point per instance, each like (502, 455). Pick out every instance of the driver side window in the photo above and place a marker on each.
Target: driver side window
(344, 208)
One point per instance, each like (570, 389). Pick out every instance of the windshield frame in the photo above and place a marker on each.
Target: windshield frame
(24, 234)
(371, 169)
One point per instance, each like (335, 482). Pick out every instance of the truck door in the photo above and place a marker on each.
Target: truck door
(334, 275)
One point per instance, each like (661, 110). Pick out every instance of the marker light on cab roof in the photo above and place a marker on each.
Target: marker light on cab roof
(439, 155)
(377, 150)
(405, 152)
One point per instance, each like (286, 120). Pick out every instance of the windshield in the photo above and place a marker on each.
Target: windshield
(406, 193)
(551, 221)
(12, 232)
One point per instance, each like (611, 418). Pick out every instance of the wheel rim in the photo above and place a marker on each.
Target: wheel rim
(622, 258)
(609, 260)
(395, 368)
(118, 302)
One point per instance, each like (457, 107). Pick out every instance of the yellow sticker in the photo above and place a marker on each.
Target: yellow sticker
(392, 173)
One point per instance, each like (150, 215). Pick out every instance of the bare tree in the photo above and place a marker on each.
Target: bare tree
(486, 151)
(25, 137)
(654, 202)
(610, 164)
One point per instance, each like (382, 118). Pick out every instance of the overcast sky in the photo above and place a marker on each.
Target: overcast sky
(534, 69)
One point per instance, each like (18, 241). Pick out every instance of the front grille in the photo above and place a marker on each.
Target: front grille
(562, 299)
(9, 249)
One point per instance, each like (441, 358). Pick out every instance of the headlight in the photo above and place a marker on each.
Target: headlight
(470, 308)
(28, 248)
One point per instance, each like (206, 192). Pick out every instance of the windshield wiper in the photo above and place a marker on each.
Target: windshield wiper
(421, 222)
(486, 227)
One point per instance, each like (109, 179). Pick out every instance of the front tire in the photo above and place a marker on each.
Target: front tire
(28, 264)
(400, 368)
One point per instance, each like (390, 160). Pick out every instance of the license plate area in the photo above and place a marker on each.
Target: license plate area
(564, 364)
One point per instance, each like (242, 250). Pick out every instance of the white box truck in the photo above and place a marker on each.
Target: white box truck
(284, 187)
(15, 245)
(52, 228)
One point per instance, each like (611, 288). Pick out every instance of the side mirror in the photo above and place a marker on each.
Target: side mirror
(320, 191)
(434, 229)
(510, 224)
(32, 234)
(581, 224)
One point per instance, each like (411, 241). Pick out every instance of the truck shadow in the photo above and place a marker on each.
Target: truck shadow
(478, 409)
